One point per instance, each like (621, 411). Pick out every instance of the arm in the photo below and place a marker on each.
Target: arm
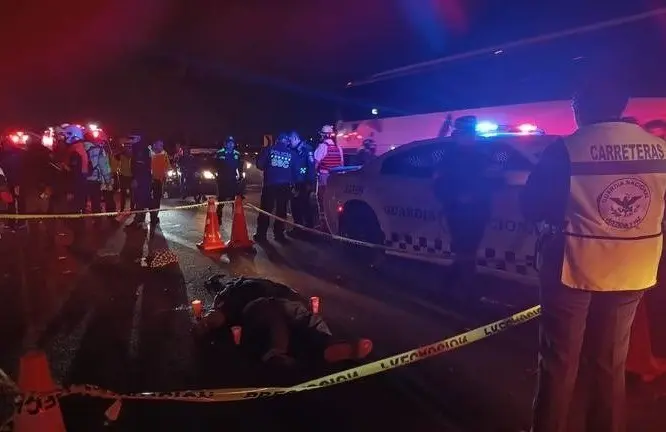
(262, 159)
(320, 153)
(546, 193)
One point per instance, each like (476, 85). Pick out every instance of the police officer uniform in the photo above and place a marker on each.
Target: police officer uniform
(605, 206)
(277, 164)
(229, 171)
(306, 176)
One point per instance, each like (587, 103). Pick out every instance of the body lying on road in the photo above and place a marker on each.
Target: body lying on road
(277, 325)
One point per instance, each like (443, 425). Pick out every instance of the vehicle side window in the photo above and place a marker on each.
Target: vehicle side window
(509, 159)
(416, 163)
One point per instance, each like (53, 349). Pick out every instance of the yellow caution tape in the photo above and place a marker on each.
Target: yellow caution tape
(357, 242)
(32, 403)
(104, 214)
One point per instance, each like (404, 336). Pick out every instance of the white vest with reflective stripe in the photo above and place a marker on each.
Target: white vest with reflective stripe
(613, 232)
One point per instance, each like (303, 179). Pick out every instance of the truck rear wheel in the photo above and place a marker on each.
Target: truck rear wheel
(359, 222)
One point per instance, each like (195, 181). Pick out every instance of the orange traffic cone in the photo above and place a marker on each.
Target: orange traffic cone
(37, 413)
(211, 239)
(239, 236)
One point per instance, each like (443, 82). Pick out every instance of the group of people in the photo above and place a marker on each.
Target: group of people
(82, 168)
(293, 172)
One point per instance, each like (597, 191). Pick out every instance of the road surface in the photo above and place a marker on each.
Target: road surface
(117, 325)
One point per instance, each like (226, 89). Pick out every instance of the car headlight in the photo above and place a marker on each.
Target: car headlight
(248, 165)
(208, 175)
(171, 173)
(243, 174)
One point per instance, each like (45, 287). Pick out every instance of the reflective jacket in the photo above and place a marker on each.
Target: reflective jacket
(613, 218)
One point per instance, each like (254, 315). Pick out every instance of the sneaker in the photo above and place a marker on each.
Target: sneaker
(348, 351)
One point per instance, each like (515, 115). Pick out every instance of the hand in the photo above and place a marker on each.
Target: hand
(16, 190)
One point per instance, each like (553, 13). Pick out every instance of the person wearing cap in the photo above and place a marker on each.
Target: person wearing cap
(367, 152)
(277, 324)
(141, 180)
(279, 174)
(600, 192)
(328, 156)
(305, 178)
(159, 166)
(229, 167)
(464, 182)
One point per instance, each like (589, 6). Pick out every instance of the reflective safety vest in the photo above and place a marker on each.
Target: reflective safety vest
(613, 220)
(333, 158)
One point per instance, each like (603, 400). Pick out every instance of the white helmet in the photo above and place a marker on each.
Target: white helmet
(72, 133)
(327, 132)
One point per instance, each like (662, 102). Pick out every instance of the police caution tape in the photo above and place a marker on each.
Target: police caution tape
(103, 214)
(33, 403)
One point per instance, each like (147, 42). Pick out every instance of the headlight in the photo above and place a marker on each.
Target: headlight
(248, 165)
(208, 175)
(243, 174)
(171, 173)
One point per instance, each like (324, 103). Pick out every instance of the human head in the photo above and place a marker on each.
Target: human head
(230, 143)
(72, 134)
(283, 139)
(327, 132)
(599, 100)
(464, 130)
(294, 139)
(656, 128)
(158, 146)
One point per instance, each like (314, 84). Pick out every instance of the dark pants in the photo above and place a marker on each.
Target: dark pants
(94, 194)
(280, 326)
(301, 206)
(274, 198)
(141, 195)
(467, 225)
(156, 192)
(125, 186)
(109, 200)
(225, 193)
(584, 340)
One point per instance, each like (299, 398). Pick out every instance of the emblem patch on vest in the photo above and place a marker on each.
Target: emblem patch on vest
(624, 203)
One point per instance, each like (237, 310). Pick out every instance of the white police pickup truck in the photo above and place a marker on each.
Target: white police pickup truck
(391, 201)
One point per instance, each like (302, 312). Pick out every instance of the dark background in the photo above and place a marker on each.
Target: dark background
(203, 69)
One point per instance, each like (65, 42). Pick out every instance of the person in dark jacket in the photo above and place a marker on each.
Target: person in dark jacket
(229, 167)
(278, 167)
(367, 152)
(141, 180)
(187, 166)
(464, 184)
(305, 179)
(277, 325)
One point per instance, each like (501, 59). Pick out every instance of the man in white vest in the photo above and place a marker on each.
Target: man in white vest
(600, 192)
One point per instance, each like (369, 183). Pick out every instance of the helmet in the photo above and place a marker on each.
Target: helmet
(72, 133)
(327, 132)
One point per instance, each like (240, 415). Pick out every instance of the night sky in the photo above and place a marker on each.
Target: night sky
(206, 68)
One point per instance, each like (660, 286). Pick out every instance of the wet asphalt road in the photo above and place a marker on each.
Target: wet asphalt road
(117, 325)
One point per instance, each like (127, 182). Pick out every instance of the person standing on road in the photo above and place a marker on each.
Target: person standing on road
(601, 193)
(124, 159)
(159, 166)
(99, 178)
(277, 164)
(464, 183)
(141, 180)
(328, 156)
(305, 178)
(367, 152)
(229, 172)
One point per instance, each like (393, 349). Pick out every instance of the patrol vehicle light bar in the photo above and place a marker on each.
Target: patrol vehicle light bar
(489, 129)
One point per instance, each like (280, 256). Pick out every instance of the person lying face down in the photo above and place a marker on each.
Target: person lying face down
(277, 324)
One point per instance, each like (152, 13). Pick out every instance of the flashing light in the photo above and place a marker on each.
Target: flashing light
(375, 111)
(340, 208)
(19, 138)
(483, 128)
(527, 128)
(93, 127)
(171, 173)
(248, 165)
(208, 175)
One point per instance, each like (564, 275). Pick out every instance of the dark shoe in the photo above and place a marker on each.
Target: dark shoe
(260, 238)
(154, 221)
(348, 351)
